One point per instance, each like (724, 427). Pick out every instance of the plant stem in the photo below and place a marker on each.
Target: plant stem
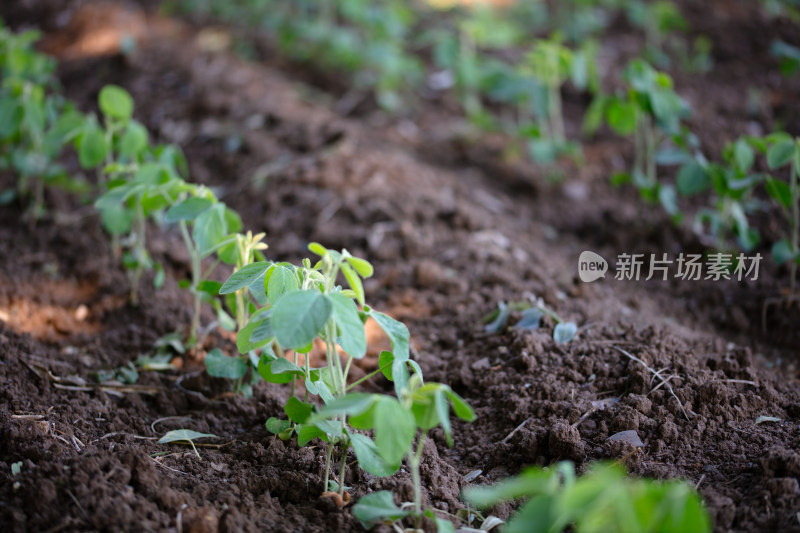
(651, 152)
(294, 378)
(368, 376)
(139, 251)
(328, 454)
(795, 195)
(413, 463)
(342, 469)
(556, 120)
(196, 273)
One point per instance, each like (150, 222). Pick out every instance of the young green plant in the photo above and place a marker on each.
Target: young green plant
(651, 111)
(396, 425)
(35, 122)
(782, 151)
(604, 499)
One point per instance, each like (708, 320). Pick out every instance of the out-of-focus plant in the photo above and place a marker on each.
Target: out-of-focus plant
(652, 112)
(35, 122)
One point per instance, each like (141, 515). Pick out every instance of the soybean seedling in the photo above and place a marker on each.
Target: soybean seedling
(35, 123)
(305, 305)
(243, 250)
(733, 182)
(550, 63)
(604, 499)
(783, 150)
(396, 424)
(140, 181)
(207, 226)
(651, 111)
(531, 319)
(660, 21)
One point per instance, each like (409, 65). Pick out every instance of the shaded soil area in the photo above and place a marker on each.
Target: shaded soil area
(687, 365)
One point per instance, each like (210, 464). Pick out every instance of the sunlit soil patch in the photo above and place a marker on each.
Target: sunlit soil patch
(62, 309)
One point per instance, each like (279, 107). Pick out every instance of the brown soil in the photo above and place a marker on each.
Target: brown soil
(451, 235)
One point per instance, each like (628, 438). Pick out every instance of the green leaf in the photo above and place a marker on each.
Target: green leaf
(256, 333)
(116, 221)
(317, 248)
(692, 179)
(282, 280)
(368, 457)
(782, 252)
(279, 370)
(189, 209)
(115, 102)
(780, 152)
(210, 229)
(376, 508)
(351, 338)
(244, 277)
(385, 363)
(299, 317)
(460, 406)
(395, 429)
(297, 411)
(354, 281)
(151, 174)
(396, 331)
(10, 117)
(263, 330)
(444, 525)
(362, 266)
(133, 141)
(779, 191)
(743, 154)
(185, 435)
(621, 117)
(220, 365)
(352, 404)
(275, 425)
(309, 432)
(92, 147)
(443, 412)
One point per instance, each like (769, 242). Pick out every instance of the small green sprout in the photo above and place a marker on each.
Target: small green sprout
(185, 435)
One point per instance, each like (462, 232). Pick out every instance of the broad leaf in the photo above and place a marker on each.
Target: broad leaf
(376, 508)
(779, 191)
(92, 147)
(351, 338)
(780, 152)
(115, 102)
(244, 277)
(397, 333)
(220, 365)
(395, 429)
(281, 281)
(210, 229)
(297, 410)
(299, 317)
(368, 457)
(692, 179)
(189, 209)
